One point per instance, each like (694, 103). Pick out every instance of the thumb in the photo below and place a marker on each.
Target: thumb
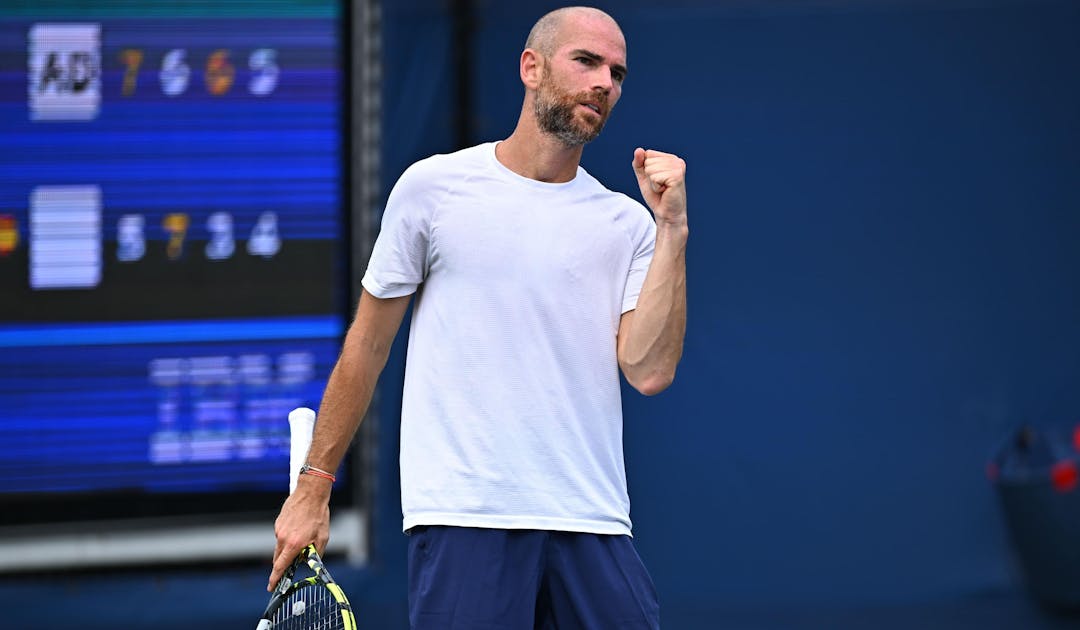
(639, 163)
(644, 181)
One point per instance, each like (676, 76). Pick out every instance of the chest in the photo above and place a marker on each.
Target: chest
(528, 238)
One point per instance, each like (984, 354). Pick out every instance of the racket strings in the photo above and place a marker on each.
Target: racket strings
(309, 608)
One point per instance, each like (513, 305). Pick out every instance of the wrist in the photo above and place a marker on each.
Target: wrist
(313, 486)
(308, 469)
(668, 228)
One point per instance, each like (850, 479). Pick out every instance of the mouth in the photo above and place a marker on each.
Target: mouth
(593, 108)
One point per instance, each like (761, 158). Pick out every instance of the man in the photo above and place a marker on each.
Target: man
(535, 285)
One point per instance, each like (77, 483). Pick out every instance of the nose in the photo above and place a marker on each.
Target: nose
(602, 79)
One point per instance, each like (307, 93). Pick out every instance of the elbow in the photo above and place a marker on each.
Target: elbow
(649, 377)
(653, 383)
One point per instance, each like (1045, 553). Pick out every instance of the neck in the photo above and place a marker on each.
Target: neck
(532, 153)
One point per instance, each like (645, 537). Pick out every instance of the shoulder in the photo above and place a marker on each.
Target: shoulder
(628, 212)
(427, 181)
(421, 188)
(443, 166)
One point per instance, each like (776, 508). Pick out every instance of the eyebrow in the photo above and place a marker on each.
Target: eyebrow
(599, 58)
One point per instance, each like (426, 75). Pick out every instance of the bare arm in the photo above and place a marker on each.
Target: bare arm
(650, 340)
(305, 515)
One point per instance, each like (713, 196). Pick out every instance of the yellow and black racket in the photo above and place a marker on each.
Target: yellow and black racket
(306, 601)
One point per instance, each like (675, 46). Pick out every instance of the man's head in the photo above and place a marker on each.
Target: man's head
(573, 67)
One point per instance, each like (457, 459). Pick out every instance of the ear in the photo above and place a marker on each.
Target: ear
(532, 68)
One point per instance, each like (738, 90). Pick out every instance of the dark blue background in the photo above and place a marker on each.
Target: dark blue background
(883, 282)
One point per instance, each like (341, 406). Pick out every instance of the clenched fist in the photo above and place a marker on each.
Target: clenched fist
(662, 179)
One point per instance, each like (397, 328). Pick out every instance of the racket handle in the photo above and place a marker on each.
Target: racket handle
(301, 428)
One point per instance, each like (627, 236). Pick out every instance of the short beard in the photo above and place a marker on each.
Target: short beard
(555, 116)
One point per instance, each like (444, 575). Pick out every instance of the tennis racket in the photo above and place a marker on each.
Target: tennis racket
(305, 598)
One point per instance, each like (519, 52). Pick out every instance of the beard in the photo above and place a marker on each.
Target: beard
(556, 114)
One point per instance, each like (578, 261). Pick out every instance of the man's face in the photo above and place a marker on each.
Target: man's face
(581, 82)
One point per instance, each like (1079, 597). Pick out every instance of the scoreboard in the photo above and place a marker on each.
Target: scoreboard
(172, 254)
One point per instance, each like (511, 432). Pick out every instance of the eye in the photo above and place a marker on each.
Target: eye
(618, 76)
(585, 60)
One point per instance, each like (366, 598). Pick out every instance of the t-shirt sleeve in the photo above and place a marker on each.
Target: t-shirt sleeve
(399, 259)
(644, 240)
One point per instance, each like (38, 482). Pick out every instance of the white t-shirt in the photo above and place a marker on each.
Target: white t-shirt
(512, 416)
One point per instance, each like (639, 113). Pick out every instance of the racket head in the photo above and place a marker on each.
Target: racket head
(307, 598)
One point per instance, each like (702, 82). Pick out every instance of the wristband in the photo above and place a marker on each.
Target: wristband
(308, 469)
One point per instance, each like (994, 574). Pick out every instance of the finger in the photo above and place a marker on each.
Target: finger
(281, 562)
(640, 166)
(670, 162)
(654, 154)
(273, 571)
(659, 156)
(666, 178)
(669, 172)
(663, 179)
(649, 173)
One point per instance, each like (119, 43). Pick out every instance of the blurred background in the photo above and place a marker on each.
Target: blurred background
(874, 422)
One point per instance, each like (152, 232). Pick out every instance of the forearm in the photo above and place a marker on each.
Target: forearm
(348, 394)
(652, 344)
(305, 515)
(351, 385)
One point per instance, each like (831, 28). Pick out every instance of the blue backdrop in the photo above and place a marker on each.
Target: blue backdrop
(883, 281)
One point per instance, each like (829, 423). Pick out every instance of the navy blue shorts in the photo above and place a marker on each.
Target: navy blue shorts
(464, 578)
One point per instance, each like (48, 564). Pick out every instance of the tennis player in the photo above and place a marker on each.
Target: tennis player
(534, 286)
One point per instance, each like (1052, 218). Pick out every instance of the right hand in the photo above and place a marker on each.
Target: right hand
(304, 519)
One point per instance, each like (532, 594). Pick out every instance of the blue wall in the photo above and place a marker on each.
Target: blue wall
(884, 278)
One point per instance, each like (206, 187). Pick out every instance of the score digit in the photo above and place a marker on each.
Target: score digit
(130, 238)
(264, 239)
(176, 224)
(219, 73)
(175, 74)
(132, 59)
(222, 244)
(263, 62)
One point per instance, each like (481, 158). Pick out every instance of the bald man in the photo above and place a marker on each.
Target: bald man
(535, 285)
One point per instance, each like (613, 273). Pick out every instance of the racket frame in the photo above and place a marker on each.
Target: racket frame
(286, 586)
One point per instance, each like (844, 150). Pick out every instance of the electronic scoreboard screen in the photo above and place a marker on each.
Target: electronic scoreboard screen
(172, 257)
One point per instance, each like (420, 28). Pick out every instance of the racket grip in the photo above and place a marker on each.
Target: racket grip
(301, 427)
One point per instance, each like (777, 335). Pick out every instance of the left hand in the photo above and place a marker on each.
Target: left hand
(662, 179)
